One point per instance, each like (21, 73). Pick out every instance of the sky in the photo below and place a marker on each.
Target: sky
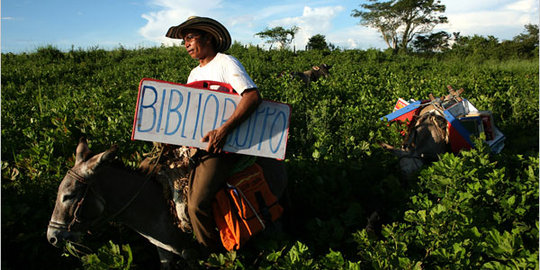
(74, 24)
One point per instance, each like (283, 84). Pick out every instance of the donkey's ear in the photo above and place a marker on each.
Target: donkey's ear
(100, 159)
(82, 151)
(108, 155)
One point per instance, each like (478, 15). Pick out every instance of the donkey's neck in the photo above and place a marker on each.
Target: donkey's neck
(148, 213)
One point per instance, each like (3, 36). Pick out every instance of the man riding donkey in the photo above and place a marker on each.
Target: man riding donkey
(205, 40)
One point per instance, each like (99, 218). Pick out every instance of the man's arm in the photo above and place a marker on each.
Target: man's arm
(251, 98)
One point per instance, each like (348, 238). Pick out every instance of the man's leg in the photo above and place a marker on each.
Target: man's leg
(209, 176)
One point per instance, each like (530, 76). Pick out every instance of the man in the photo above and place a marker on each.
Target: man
(205, 40)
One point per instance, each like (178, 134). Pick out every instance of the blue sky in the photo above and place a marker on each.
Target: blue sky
(29, 24)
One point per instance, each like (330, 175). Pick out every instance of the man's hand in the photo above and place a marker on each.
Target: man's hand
(251, 98)
(216, 140)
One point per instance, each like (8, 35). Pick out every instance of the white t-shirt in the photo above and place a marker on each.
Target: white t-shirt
(223, 68)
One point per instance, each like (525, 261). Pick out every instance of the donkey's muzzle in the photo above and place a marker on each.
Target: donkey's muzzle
(57, 233)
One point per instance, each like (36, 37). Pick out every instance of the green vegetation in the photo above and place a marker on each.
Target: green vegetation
(475, 210)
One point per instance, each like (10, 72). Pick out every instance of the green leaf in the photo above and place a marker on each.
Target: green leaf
(494, 265)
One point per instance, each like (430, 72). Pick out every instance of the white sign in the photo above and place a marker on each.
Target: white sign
(178, 114)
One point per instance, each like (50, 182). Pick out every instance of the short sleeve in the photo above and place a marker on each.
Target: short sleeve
(235, 74)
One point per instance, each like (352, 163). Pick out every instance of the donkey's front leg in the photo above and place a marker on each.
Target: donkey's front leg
(167, 259)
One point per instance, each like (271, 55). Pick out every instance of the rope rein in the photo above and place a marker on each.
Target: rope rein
(83, 180)
(147, 179)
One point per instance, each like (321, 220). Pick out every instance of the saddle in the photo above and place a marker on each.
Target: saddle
(171, 166)
(241, 210)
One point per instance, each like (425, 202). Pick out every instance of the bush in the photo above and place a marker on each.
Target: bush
(467, 211)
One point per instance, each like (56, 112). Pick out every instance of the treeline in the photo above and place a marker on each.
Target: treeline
(441, 45)
(522, 46)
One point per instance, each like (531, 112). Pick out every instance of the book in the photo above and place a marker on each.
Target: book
(447, 104)
(487, 123)
(473, 124)
(401, 103)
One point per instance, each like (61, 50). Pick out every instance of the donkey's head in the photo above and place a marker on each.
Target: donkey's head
(77, 207)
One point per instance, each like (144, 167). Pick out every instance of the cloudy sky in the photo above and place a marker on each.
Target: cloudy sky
(29, 24)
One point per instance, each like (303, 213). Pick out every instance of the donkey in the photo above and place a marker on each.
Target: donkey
(311, 75)
(428, 134)
(426, 139)
(96, 190)
(314, 73)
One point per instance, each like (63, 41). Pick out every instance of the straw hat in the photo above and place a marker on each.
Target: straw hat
(216, 29)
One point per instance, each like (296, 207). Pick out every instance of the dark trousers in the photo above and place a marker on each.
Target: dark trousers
(206, 180)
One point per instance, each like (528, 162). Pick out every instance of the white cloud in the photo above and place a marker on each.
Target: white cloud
(173, 12)
(351, 43)
(524, 6)
(356, 37)
(313, 21)
(460, 6)
(502, 19)
(243, 21)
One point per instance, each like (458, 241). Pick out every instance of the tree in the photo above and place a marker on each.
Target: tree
(435, 42)
(530, 37)
(399, 21)
(477, 47)
(283, 37)
(317, 42)
(527, 43)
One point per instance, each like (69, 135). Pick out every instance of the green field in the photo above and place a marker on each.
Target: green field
(475, 210)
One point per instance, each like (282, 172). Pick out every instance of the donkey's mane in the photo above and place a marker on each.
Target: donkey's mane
(119, 165)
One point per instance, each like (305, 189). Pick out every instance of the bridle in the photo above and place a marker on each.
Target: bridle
(76, 213)
(100, 220)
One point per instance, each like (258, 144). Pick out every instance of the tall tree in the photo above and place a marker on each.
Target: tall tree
(434, 42)
(317, 42)
(530, 38)
(399, 21)
(282, 36)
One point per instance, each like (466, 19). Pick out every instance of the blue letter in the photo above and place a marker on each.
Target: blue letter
(175, 109)
(161, 110)
(151, 106)
(204, 112)
(264, 126)
(282, 132)
(197, 119)
(223, 120)
(257, 112)
(185, 114)
(247, 132)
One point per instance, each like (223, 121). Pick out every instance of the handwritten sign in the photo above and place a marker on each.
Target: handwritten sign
(181, 115)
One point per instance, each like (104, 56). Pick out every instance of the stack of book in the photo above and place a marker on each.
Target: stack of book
(479, 122)
(401, 103)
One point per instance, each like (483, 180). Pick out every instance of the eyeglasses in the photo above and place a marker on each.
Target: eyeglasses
(190, 37)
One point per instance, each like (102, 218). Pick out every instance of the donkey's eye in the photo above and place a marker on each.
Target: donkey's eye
(67, 197)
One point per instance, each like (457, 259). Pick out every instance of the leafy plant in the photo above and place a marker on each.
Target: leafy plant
(472, 210)
(110, 256)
